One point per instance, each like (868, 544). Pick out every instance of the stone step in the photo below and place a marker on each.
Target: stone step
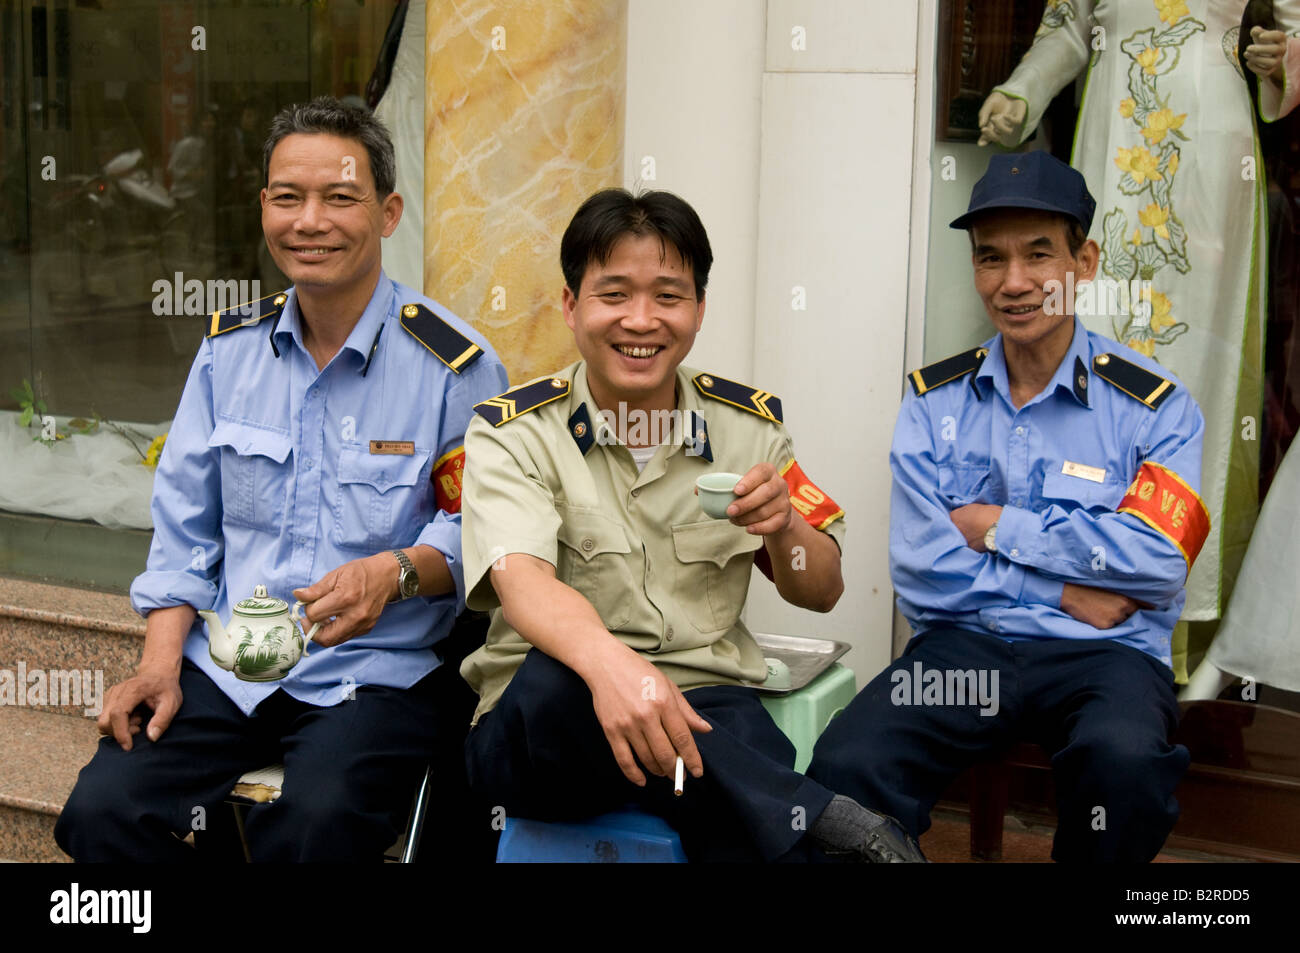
(61, 648)
(41, 754)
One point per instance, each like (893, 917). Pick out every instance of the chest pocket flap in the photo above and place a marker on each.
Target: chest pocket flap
(589, 534)
(381, 472)
(1063, 489)
(255, 476)
(714, 541)
(249, 441)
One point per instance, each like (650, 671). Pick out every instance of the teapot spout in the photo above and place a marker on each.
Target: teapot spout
(220, 646)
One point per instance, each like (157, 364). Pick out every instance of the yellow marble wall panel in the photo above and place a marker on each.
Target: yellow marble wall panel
(523, 120)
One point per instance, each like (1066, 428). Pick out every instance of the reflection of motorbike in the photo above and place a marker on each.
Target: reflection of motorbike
(120, 207)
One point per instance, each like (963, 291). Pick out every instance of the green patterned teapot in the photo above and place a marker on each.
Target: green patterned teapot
(264, 640)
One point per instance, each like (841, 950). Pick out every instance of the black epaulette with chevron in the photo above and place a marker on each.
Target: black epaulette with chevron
(763, 403)
(520, 400)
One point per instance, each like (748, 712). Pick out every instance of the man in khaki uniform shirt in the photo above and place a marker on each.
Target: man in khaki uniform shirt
(613, 594)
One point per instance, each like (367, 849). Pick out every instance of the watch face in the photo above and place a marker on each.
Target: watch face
(410, 583)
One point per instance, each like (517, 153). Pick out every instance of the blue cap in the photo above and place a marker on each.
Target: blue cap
(1030, 180)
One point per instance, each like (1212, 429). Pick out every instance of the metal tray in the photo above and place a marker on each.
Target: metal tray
(806, 658)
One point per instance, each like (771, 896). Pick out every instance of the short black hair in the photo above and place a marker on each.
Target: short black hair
(611, 214)
(1075, 236)
(330, 116)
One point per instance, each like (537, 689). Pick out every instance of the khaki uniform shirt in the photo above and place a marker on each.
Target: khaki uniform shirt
(669, 581)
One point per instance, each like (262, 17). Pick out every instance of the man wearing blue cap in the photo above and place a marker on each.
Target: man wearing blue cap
(1043, 519)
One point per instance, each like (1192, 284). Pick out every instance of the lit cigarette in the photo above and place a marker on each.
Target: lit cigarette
(680, 778)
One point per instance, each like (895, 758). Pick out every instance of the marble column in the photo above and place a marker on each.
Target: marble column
(523, 120)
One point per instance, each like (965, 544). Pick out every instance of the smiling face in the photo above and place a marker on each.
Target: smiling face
(322, 217)
(634, 319)
(1016, 253)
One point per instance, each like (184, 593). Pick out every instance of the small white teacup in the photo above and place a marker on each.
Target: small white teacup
(715, 492)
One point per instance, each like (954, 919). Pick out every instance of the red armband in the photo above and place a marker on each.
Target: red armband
(818, 509)
(447, 473)
(1159, 498)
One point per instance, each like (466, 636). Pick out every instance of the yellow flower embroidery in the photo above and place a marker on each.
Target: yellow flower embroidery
(1145, 346)
(1139, 163)
(1155, 216)
(1161, 310)
(1147, 60)
(155, 451)
(1159, 123)
(1171, 11)
(1126, 107)
(1137, 237)
(1173, 163)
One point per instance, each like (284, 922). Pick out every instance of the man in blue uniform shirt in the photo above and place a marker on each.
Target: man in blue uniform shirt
(317, 451)
(1043, 519)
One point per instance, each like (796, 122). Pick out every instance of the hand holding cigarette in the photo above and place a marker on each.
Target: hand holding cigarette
(645, 717)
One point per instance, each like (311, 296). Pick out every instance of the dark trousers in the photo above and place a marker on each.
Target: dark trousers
(1104, 711)
(541, 753)
(350, 772)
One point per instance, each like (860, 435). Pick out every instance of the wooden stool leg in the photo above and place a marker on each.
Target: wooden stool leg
(988, 807)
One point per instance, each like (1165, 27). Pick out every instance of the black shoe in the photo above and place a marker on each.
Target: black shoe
(848, 831)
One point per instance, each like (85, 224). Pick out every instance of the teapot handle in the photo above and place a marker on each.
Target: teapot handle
(298, 620)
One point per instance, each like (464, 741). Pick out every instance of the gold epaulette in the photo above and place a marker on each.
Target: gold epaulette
(763, 403)
(247, 315)
(443, 341)
(520, 400)
(939, 373)
(1142, 385)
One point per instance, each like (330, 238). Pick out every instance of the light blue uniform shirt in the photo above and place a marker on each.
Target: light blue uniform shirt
(267, 478)
(964, 442)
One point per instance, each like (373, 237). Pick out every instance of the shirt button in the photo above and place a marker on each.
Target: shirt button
(588, 545)
(1015, 552)
(302, 540)
(308, 463)
(636, 491)
(993, 626)
(1020, 430)
(670, 633)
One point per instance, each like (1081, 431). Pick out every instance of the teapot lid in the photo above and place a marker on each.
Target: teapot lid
(261, 604)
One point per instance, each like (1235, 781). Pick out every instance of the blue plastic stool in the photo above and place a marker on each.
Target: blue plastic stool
(620, 837)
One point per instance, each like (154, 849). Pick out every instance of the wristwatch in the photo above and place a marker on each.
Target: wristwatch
(408, 581)
(990, 538)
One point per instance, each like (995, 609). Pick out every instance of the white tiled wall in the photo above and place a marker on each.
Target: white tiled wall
(801, 163)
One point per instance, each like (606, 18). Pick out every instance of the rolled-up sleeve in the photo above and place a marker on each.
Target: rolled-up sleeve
(486, 378)
(187, 547)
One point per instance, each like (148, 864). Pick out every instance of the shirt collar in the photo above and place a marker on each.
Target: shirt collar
(1073, 374)
(588, 426)
(365, 335)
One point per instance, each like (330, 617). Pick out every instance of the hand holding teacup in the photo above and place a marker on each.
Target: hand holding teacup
(758, 501)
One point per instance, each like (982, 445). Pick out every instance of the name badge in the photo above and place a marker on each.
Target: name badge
(401, 448)
(1083, 471)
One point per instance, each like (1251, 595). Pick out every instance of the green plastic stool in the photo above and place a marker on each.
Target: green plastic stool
(803, 715)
